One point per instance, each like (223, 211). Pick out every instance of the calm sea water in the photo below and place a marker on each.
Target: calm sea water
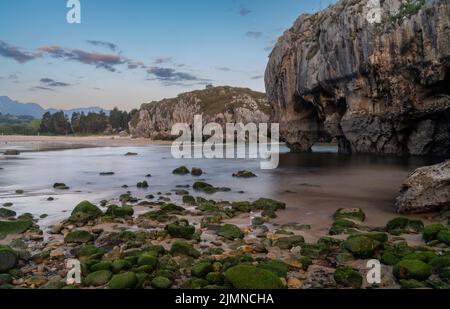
(313, 185)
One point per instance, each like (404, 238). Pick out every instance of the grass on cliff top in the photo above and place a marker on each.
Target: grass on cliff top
(211, 101)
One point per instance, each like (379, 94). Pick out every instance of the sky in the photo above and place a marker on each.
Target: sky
(125, 53)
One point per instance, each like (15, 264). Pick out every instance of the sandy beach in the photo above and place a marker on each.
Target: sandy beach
(45, 143)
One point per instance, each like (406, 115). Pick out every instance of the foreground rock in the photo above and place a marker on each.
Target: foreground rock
(374, 87)
(426, 190)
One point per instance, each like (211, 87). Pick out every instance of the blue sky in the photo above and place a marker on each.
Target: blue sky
(125, 53)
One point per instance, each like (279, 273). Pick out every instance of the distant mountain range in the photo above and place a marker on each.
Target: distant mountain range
(8, 106)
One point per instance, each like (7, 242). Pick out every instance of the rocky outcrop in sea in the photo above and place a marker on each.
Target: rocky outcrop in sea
(376, 86)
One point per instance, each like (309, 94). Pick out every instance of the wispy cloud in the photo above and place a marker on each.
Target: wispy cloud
(161, 60)
(105, 61)
(41, 88)
(15, 53)
(244, 11)
(169, 76)
(257, 77)
(48, 82)
(224, 69)
(254, 34)
(109, 45)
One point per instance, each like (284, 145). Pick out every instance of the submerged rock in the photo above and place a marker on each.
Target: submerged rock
(182, 170)
(244, 174)
(427, 189)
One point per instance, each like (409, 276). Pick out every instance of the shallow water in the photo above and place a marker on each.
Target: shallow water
(313, 185)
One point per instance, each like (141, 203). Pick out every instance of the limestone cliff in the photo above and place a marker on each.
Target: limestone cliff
(377, 87)
(218, 104)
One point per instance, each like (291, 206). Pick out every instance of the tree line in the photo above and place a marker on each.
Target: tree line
(91, 123)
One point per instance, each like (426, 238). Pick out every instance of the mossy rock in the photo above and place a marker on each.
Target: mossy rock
(182, 170)
(184, 248)
(161, 283)
(444, 236)
(348, 277)
(60, 186)
(252, 277)
(431, 231)
(268, 204)
(189, 200)
(398, 226)
(116, 211)
(8, 258)
(243, 206)
(287, 243)
(98, 278)
(201, 269)
(88, 250)
(7, 213)
(196, 171)
(444, 273)
(204, 187)
(84, 212)
(305, 261)
(440, 262)
(5, 279)
(257, 221)
(412, 269)
(127, 280)
(15, 227)
(148, 260)
(393, 254)
(350, 213)
(172, 209)
(159, 215)
(361, 246)
(120, 265)
(215, 278)
(230, 231)
(412, 284)
(198, 283)
(104, 265)
(279, 268)
(79, 237)
(142, 185)
(244, 174)
(342, 226)
(378, 236)
(181, 229)
(424, 256)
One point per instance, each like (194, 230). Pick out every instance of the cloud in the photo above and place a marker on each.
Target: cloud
(224, 69)
(48, 82)
(257, 77)
(254, 34)
(12, 52)
(104, 61)
(41, 88)
(244, 11)
(162, 60)
(169, 76)
(108, 45)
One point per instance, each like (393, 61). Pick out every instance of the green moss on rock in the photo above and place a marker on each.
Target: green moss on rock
(279, 268)
(431, 231)
(98, 278)
(84, 212)
(361, 246)
(7, 213)
(184, 248)
(161, 283)
(348, 277)
(182, 170)
(252, 277)
(116, 211)
(201, 269)
(181, 229)
(287, 243)
(350, 213)
(15, 227)
(127, 280)
(8, 258)
(79, 236)
(230, 231)
(398, 226)
(412, 269)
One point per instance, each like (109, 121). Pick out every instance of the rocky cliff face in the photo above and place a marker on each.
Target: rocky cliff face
(381, 87)
(219, 104)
